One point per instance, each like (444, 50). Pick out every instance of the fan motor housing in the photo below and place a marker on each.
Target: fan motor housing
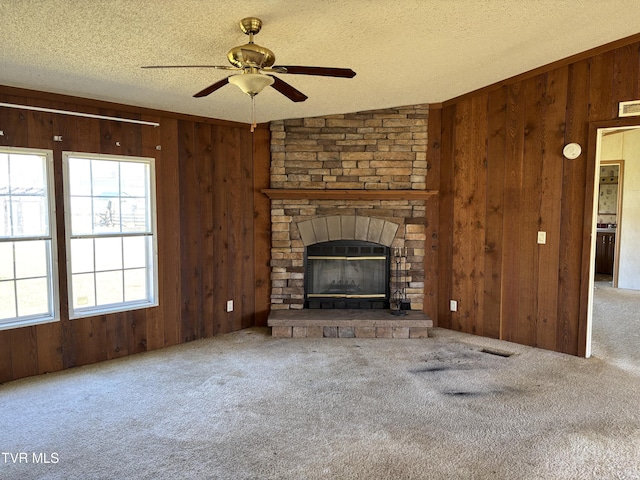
(251, 55)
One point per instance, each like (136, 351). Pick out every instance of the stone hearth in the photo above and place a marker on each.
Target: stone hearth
(309, 323)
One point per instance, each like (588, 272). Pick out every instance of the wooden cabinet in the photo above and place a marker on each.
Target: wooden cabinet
(605, 252)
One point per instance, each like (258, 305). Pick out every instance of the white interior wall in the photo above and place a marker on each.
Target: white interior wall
(629, 233)
(611, 147)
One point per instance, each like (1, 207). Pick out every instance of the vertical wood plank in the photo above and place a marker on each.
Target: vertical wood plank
(461, 217)
(136, 321)
(247, 318)
(67, 128)
(512, 210)
(169, 232)
(477, 226)
(234, 219)
(496, 144)
(24, 352)
(601, 101)
(637, 68)
(571, 249)
(131, 138)
(626, 66)
(13, 122)
(529, 214)
(432, 181)
(48, 335)
(247, 285)
(190, 240)
(445, 228)
(205, 182)
(6, 366)
(150, 138)
(7, 123)
(117, 339)
(40, 127)
(220, 226)
(110, 133)
(90, 339)
(469, 213)
(261, 225)
(554, 102)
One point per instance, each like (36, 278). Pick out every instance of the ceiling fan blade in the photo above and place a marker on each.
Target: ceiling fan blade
(322, 71)
(218, 67)
(288, 91)
(212, 88)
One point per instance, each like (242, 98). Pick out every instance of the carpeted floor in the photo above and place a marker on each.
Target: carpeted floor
(247, 406)
(616, 326)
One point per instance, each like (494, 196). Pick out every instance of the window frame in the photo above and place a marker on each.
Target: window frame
(152, 269)
(52, 254)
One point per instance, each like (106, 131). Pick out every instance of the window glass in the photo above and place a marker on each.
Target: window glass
(111, 233)
(28, 273)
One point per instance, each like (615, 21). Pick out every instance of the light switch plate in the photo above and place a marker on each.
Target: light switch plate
(542, 238)
(229, 305)
(453, 305)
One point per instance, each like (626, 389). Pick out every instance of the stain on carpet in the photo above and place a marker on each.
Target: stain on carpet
(441, 368)
(498, 353)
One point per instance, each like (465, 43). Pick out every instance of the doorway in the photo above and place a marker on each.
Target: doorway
(607, 219)
(609, 215)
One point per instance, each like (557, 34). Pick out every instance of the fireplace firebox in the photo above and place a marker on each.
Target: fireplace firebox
(347, 274)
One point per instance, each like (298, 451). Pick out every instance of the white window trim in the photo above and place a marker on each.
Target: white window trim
(53, 254)
(153, 278)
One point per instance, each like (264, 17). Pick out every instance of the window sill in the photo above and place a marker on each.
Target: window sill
(26, 323)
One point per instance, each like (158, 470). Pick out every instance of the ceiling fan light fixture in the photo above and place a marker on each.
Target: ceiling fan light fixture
(256, 64)
(251, 83)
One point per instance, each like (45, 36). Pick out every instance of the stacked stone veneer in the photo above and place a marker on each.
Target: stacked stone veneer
(377, 150)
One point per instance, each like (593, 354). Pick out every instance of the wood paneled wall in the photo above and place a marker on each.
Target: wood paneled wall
(503, 178)
(209, 175)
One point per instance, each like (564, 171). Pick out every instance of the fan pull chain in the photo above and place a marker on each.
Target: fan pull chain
(253, 113)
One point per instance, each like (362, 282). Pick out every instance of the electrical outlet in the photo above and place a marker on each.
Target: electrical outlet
(229, 305)
(542, 238)
(453, 305)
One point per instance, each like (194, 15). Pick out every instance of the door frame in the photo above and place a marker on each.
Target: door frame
(585, 322)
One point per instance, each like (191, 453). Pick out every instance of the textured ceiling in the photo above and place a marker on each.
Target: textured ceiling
(404, 51)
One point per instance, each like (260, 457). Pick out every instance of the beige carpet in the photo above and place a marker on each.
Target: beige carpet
(616, 326)
(247, 406)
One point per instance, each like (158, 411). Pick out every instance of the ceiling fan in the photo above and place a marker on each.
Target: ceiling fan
(256, 66)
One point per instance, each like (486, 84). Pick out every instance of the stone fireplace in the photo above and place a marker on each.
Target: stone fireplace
(341, 179)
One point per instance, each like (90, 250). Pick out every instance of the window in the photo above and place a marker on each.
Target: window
(111, 234)
(28, 273)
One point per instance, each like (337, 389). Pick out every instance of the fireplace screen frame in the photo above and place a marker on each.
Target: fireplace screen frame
(347, 250)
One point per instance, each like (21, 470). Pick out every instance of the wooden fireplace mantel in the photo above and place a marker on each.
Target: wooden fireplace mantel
(317, 194)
